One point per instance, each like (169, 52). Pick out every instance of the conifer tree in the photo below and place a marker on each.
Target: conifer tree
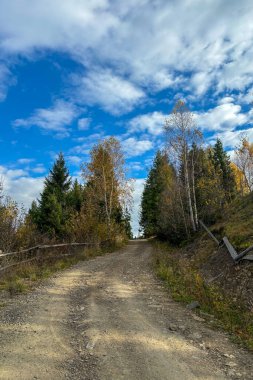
(58, 182)
(222, 164)
(127, 224)
(51, 213)
(209, 187)
(75, 198)
(153, 189)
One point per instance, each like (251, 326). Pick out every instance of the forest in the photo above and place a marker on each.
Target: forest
(188, 181)
(191, 180)
(68, 211)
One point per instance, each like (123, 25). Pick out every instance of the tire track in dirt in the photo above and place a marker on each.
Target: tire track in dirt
(110, 318)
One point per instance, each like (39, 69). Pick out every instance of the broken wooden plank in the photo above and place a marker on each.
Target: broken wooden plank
(209, 232)
(230, 248)
(248, 257)
(245, 252)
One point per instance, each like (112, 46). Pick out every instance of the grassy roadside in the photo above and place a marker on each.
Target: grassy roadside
(186, 284)
(24, 277)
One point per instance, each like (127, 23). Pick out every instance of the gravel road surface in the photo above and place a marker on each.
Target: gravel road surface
(109, 319)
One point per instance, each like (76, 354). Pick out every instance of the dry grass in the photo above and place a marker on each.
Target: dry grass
(21, 278)
(187, 284)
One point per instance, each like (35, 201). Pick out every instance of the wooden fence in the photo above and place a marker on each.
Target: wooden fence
(39, 253)
(237, 257)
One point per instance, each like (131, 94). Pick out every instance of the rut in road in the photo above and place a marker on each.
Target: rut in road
(110, 318)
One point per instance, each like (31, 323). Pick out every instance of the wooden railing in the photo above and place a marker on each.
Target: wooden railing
(10, 259)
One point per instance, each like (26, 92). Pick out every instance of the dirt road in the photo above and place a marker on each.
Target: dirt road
(110, 318)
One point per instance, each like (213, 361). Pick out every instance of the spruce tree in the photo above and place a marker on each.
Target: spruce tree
(126, 222)
(75, 198)
(223, 166)
(153, 189)
(58, 182)
(34, 213)
(51, 213)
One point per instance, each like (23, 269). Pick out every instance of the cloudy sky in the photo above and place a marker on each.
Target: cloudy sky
(73, 72)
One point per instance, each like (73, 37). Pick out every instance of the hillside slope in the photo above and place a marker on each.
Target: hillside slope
(215, 262)
(204, 272)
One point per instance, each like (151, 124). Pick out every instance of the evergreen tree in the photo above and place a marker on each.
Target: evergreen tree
(223, 166)
(34, 213)
(122, 219)
(153, 189)
(53, 221)
(58, 182)
(209, 187)
(51, 213)
(75, 198)
(126, 223)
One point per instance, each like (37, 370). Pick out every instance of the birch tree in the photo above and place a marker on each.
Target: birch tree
(244, 161)
(106, 183)
(181, 135)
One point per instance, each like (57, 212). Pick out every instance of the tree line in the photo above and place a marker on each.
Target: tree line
(95, 210)
(189, 181)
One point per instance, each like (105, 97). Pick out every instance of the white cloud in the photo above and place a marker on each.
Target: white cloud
(65, 25)
(56, 119)
(86, 143)
(39, 169)
(226, 116)
(246, 97)
(152, 123)
(84, 123)
(74, 160)
(112, 92)
(6, 80)
(133, 147)
(200, 82)
(135, 166)
(151, 43)
(231, 138)
(25, 161)
(21, 187)
(237, 74)
(13, 173)
(27, 167)
(163, 79)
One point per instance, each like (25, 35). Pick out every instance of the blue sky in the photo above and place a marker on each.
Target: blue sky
(73, 72)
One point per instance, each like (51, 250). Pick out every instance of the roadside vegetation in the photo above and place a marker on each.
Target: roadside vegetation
(94, 210)
(190, 181)
(187, 283)
(24, 277)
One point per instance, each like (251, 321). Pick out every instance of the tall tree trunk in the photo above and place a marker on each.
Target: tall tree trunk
(194, 193)
(106, 205)
(182, 207)
(188, 190)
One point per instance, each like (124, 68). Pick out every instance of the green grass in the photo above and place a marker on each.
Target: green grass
(186, 284)
(237, 223)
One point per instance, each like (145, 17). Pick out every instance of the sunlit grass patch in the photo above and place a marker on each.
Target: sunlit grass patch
(186, 284)
(23, 277)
